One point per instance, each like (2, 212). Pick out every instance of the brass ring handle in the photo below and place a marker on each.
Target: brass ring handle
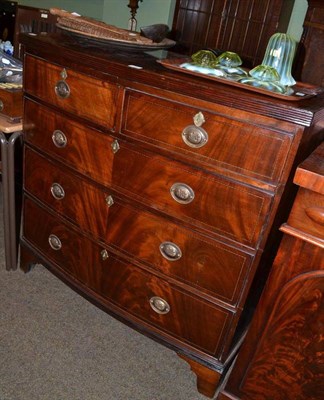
(59, 139)
(54, 242)
(182, 193)
(194, 136)
(62, 89)
(159, 305)
(57, 191)
(170, 251)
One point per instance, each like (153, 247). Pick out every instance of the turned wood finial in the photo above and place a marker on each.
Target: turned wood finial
(133, 5)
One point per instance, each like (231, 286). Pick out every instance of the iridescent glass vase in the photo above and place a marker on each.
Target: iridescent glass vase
(280, 54)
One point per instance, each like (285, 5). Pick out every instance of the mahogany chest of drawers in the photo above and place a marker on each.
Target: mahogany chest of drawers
(157, 193)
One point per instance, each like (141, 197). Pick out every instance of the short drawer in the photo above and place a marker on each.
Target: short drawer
(11, 103)
(205, 264)
(307, 214)
(166, 307)
(215, 141)
(81, 147)
(80, 94)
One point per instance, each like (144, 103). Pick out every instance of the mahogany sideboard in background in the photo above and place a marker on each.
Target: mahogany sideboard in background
(242, 26)
(161, 193)
(282, 355)
(310, 55)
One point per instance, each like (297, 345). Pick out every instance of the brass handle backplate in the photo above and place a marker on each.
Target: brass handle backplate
(182, 193)
(59, 139)
(194, 136)
(57, 191)
(62, 89)
(54, 242)
(170, 251)
(159, 305)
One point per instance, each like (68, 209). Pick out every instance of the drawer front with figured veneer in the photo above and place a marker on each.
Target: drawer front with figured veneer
(205, 200)
(307, 214)
(84, 96)
(81, 147)
(166, 307)
(207, 265)
(217, 142)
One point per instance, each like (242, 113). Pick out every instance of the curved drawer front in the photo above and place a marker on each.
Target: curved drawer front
(84, 149)
(218, 205)
(200, 262)
(307, 214)
(71, 91)
(205, 200)
(186, 317)
(212, 139)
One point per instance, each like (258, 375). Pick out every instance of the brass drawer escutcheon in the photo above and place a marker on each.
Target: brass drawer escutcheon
(170, 251)
(54, 242)
(199, 119)
(104, 255)
(182, 193)
(57, 191)
(115, 146)
(109, 201)
(59, 139)
(159, 305)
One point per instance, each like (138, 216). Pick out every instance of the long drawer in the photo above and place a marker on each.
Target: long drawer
(206, 264)
(82, 95)
(145, 296)
(212, 139)
(207, 201)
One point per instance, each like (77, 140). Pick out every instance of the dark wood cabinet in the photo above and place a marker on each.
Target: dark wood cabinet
(158, 192)
(7, 20)
(310, 55)
(282, 356)
(241, 26)
(33, 20)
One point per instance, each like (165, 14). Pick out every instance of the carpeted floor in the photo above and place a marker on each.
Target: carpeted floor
(55, 345)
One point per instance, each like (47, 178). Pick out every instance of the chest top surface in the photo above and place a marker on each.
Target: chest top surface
(117, 66)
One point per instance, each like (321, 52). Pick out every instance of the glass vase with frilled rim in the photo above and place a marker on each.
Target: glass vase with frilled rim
(280, 54)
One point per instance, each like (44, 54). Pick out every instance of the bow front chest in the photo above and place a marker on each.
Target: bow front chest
(158, 195)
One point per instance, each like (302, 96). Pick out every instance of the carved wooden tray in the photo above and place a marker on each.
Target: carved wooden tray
(299, 92)
(121, 44)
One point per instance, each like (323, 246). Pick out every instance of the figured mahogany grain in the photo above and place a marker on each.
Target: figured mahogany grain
(288, 361)
(219, 206)
(98, 100)
(239, 202)
(231, 141)
(87, 150)
(282, 356)
(196, 322)
(205, 264)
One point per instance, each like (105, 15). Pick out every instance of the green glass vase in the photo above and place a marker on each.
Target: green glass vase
(280, 54)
